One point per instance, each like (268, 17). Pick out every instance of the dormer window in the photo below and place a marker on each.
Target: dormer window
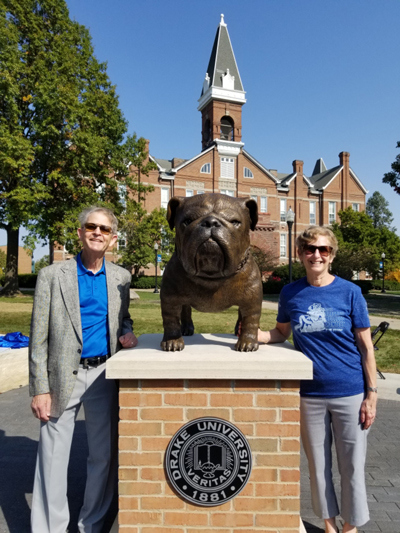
(227, 125)
(206, 168)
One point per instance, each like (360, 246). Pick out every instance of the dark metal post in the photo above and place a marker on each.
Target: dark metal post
(289, 220)
(156, 250)
(383, 272)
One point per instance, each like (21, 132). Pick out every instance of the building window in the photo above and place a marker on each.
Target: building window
(122, 194)
(332, 212)
(189, 192)
(313, 219)
(164, 197)
(200, 192)
(206, 168)
(263, 204)
(255, 198)
(283, 209)
(247, 173)
(356, 207)
(227, 167)
(283, 245)
(227, 129)
(121, 243)
(228, 192)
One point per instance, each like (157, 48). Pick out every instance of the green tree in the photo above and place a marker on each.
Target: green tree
(265, 259)
(41, 263)
(140, 230)
(361, 244)
(378, 210)
(60, 124)
(393, 177)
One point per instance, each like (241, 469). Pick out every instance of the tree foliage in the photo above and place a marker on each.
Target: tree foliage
(361, 245)
(393, 177)
(378, 210)
(60, 123)
(265, 259)
(140, 229)
(41, 263)
(281, 272)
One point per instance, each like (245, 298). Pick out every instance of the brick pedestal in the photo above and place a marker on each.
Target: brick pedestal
(257, 392)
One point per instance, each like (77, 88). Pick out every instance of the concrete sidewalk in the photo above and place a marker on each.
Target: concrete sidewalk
(19, 432)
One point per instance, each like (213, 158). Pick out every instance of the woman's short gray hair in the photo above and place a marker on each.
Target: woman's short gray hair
(85, 214)
(312, 233)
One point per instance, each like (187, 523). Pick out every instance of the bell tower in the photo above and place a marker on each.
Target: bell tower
(222, 97)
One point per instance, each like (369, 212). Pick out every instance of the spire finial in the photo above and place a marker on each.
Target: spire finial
(222, 23)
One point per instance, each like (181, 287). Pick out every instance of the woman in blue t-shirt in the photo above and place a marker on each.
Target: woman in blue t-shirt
(329, 320)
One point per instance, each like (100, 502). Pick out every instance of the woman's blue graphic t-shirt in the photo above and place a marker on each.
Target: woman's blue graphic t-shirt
(323, 321)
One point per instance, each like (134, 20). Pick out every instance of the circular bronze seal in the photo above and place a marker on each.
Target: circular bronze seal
(208, 461)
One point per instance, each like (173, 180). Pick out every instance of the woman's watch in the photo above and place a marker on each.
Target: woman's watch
(372, 389)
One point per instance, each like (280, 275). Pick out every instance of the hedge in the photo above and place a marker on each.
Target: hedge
(390, 285)
(145, 282)
(25, 281)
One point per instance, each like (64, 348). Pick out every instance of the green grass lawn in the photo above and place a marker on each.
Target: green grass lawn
(15, 315)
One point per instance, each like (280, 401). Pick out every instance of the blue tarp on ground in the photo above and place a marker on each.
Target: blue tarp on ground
(14, 340)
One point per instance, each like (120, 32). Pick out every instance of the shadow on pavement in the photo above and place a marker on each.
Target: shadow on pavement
(17, 466)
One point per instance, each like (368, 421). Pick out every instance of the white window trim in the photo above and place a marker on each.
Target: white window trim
(227, 167)
(263, 208)
(248, 172)
(313, 213)
(282, 245)
(164, 203)
(282, 212)
(331, 212)
(228, 192)
(206, 168)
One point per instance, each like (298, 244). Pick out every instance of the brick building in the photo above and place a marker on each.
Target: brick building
(24, 260)
(223, 165)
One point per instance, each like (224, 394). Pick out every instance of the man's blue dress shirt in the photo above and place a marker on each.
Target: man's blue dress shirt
(94, 310)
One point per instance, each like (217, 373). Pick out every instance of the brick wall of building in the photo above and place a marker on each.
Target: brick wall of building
(24, 260)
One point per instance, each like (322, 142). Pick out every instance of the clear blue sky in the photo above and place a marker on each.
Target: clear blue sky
(320, 77)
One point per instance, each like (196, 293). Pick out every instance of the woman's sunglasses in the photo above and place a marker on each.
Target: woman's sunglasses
(105, 230)
(324, 251)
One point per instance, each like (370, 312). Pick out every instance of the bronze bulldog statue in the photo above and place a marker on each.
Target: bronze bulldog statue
(212, 267)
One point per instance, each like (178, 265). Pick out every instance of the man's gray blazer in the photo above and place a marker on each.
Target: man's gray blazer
(55, 345)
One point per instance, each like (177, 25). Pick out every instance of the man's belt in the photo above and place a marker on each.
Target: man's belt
(93, 362)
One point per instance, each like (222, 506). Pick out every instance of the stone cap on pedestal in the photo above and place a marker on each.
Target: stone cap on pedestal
(208, 356)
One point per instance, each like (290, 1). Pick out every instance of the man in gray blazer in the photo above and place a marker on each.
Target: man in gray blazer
(80, 318)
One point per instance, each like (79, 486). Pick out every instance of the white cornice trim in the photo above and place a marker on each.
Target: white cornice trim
(228, 148)
(220, 93)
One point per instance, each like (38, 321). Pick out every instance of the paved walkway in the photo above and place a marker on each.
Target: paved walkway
(19, 433)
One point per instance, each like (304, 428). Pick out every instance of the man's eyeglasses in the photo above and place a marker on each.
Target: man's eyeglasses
(324, 251)
(105, 230)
